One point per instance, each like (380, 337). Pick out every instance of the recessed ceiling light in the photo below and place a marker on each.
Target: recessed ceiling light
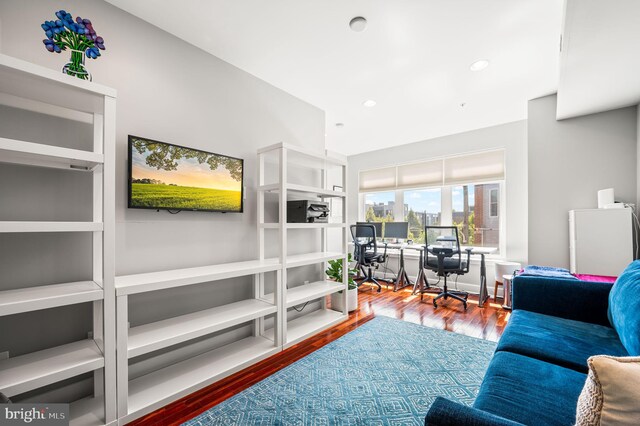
(339, 124)
(479, 65)
(358, 24)
(369, 103)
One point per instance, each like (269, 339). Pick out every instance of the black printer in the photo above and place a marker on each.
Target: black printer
(307, 211)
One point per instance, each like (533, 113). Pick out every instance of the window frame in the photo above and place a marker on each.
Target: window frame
(496, 203)
(446, 206)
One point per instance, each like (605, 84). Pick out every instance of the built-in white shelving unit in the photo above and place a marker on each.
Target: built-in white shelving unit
(29, 87)
(141, 395)
(288, 332)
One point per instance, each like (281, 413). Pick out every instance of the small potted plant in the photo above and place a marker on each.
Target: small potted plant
(334, 272)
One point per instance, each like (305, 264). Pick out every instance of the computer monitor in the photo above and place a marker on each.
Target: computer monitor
(377, 225)
(398, 230)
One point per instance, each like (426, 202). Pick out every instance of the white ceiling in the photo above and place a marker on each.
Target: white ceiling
(600, 64)
(413, 59)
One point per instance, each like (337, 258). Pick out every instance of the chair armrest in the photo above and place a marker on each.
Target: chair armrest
(571, 299)
(447, 413)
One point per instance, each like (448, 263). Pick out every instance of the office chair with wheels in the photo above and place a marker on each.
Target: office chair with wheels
(366, 252)
(444, 257)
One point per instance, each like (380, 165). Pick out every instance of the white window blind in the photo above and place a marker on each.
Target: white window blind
(380, 179)
(479, 167)
(420, 174)
(482, 167)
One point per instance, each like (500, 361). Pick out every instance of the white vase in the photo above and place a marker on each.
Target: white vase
(352, 301)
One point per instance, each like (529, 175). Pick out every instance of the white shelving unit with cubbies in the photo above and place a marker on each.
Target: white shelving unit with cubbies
(138, 396)
(35, 89)
(275, 163)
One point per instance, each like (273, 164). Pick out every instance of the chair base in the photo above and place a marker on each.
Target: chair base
(443, 293)
(368, 278)
(460, 296)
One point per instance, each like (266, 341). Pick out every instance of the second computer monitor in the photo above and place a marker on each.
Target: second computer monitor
(397, 230)
(377, 225)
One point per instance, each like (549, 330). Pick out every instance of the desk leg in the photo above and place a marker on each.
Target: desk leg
(484, 293)
(403, 277)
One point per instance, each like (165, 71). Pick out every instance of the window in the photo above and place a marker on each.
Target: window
(462, 190)
(472, 213)
(494, 203)
(422, 207)
(378, 206)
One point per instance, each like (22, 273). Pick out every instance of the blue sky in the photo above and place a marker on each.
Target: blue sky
(423, 199)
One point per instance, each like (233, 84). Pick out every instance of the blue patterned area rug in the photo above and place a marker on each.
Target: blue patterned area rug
(385, 372)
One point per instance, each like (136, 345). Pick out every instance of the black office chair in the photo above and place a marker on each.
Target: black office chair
(444, 257)
(366, 252)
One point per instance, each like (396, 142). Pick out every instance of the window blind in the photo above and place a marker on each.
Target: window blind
(380, 179)
(482, 167)
(464, 169)
(414, 175)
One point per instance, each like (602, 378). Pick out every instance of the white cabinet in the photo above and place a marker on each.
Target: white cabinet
(600, 241)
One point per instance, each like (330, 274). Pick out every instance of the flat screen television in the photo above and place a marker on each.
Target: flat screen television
(164, 176)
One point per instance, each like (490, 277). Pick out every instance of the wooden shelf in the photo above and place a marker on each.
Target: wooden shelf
(158, 335)
(86, 412)
(35, 82)
(154, 390)
(308, 325)
(312, 258)
(303, 225)
(303, 189)
(48, 296)
(35, 154)
(139, 283)
(37, 369)
(34, 226)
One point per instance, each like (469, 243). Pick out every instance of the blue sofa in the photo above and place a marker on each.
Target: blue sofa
(540, 364)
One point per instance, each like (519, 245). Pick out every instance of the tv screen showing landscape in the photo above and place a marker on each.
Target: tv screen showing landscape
(172, 177)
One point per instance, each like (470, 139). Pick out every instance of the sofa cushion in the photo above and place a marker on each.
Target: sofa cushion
(530, 391)
(624, 307)
(567, 343)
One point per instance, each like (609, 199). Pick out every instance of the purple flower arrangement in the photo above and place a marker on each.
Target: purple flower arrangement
(78, 36)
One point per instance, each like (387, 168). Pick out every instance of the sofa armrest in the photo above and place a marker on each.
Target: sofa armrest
(570, 299)
(447, 413)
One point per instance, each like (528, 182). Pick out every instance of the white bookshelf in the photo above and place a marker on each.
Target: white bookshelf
(31, 371)
(141, 395)
(306, 326)
(161, 334)
(48, 296)
(29, 87)
(283, 156)
(140, 283)
(59, 226)
(155, 390)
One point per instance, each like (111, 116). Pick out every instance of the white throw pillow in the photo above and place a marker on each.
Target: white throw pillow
(611, 394)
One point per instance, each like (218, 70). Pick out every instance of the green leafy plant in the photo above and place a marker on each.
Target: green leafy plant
(335, 272)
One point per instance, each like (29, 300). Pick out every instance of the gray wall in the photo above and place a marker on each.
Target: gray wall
(167, 90)
(569, 161)
(512, 137)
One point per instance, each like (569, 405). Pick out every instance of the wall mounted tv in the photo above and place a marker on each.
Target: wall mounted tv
(164, 176)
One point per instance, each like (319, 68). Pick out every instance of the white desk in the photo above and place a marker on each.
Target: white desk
(403, 277)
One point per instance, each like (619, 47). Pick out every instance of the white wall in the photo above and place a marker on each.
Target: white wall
(512, 137)
(170, 91)
(569, 161)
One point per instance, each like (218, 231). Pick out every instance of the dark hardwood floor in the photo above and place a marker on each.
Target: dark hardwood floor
(486, 323)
